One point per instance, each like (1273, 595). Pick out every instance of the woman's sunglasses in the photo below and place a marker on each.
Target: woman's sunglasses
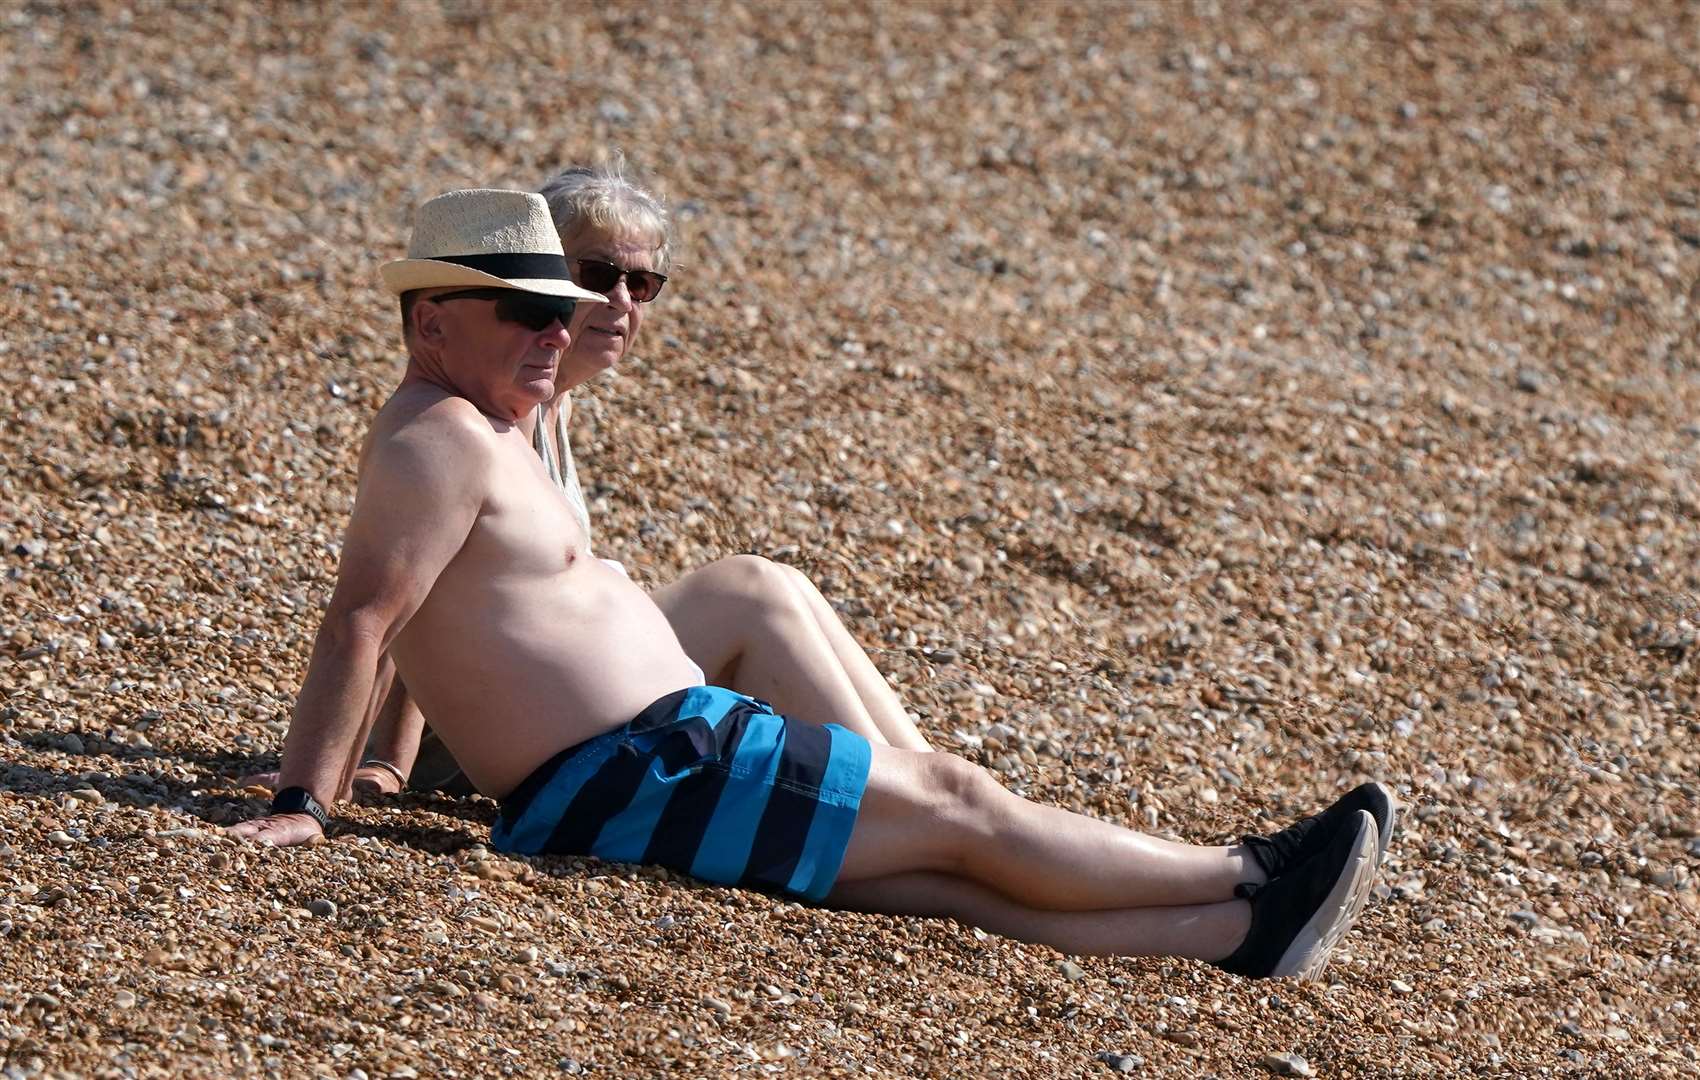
(534, 311)
(599, 276)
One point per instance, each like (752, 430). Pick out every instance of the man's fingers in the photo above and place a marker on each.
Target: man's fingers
(279, 830)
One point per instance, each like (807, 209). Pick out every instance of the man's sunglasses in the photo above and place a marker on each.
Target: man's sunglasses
(599, 276)
(534, 311)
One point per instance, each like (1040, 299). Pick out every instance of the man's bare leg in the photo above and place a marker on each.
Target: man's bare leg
(1200, 931)
(937, 812)
(753, 628)
(877, 696)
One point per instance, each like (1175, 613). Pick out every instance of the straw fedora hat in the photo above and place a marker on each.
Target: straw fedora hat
(485, 237)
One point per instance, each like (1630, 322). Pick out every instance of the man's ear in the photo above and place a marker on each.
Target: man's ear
(428, 322)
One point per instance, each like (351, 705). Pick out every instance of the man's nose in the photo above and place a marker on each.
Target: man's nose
(555, 336)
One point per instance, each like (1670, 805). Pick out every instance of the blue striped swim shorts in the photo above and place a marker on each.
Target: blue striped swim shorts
(705, 781)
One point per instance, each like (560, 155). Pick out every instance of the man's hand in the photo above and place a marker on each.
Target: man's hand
(368, 783)
(279, 830)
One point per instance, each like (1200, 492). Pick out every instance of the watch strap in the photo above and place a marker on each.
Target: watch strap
(298, 800)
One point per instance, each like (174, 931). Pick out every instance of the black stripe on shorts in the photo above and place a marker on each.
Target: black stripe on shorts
(684, 821)
(607, 792)
(790, 807)
(515, 803)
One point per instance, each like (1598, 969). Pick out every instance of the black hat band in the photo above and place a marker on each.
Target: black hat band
(512, 265)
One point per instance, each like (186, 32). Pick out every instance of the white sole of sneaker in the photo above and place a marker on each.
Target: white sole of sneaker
(1386, 834)
(1308, 954)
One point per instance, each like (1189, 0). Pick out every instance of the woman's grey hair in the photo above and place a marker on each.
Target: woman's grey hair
(602, 196)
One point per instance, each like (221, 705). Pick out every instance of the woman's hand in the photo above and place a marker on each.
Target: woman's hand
(267, 780)
(371, 782)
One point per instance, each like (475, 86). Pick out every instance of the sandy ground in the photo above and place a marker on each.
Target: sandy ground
(1195, 409)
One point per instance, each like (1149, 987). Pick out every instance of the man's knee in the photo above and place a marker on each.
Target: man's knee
(963, 790)
(761, 584)
(794, 577)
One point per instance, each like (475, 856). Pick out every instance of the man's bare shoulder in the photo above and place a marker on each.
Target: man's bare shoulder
(424, 421)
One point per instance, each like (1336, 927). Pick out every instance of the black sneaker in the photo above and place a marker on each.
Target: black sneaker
(1298, 918)
(1300, 841)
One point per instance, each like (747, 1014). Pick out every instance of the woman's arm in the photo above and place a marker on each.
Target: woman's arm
(393, 743)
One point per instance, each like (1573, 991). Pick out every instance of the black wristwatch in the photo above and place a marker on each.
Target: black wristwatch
(298, 800)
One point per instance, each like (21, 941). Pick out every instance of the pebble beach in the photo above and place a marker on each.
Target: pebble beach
(1194, 409)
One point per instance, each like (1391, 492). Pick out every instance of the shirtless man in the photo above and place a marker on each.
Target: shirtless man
(562, 690)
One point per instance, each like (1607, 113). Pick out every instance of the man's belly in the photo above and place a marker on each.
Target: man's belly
(620, 568)
(510, 673)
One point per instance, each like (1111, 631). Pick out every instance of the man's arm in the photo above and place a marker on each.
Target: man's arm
(394, 739)
(419, 496)
(388, 695)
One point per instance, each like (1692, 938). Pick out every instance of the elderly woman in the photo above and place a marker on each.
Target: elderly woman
(752, 625)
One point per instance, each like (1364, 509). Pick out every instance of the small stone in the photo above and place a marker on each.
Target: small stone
(527, 955)
(60, 838)
(1530, 381)
(88, 795)
(70, 743)
(1525, 919)
(715, 1004)
(1288, 1065)
(1072, 971)
(1122, 1063)
(124, 999)
(323, 909)
(570, 1066)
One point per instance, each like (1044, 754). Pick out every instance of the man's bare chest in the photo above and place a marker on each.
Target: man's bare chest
(525, 526)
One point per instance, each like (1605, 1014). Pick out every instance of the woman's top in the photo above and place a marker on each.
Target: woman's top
(562, 472)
